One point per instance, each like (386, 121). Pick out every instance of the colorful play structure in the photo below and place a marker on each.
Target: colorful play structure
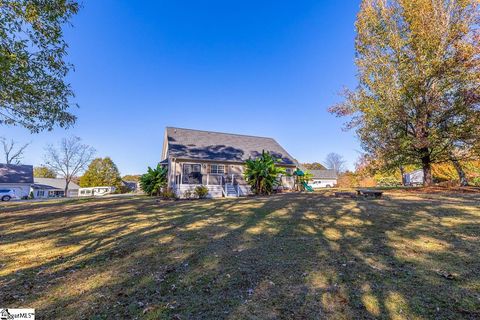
(300, 181)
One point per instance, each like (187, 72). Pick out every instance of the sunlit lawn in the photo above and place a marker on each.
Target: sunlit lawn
(293, 256)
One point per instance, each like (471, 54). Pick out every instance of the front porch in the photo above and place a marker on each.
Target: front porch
(221, 179)
(218, 185)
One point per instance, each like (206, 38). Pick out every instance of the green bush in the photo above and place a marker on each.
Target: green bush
(122, 189)
(201, 192)
(262, 173)
(154, 181)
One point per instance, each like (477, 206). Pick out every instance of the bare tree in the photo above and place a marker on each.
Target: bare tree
(12, 152)
(69, 159)
(334, 161)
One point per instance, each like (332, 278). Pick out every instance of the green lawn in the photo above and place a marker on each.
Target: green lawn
(292, 256)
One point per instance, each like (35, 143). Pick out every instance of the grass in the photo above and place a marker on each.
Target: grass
(292, 256)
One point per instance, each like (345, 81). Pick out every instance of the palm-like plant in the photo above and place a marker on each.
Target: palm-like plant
(262, 173)
(154, 180)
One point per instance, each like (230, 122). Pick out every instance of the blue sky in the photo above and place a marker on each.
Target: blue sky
(268, 68)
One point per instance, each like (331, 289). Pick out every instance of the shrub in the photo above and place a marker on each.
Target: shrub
(122, 189)
(154, 180)
(201, 192)
(168, 194)
(262, 173)
(187, 194)
(388, 182)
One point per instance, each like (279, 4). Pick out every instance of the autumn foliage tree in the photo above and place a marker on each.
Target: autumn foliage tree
(44, 172)
(313, 166)
(101, 172)
(417, 101)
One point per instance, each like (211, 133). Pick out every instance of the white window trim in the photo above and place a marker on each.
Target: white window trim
(217, 171)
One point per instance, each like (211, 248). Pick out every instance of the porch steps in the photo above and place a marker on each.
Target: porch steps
(230, 191)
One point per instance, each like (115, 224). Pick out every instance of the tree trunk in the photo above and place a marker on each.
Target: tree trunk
(427, 170)
(402, 172)
(461, 174)
(67, 182)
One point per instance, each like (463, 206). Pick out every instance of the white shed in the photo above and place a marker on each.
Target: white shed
(414, 178)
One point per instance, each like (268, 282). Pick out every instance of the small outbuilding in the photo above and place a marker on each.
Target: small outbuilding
(414, 178)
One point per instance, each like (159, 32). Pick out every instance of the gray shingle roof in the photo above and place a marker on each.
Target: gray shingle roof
(217, 146)
(57, 183)
(323, 174)
(12, 173)
(44, 187)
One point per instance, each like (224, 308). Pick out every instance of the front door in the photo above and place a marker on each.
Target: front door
(192, 174)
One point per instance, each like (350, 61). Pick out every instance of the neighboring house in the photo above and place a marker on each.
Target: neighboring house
(130, 185)
(16, 177)
(414, 178)
(216, 160)
(53, 188)
(323, 179)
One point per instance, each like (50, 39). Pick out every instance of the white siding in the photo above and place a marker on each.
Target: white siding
(21, 189)
(213, 191)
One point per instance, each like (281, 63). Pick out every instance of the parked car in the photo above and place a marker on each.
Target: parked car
(7, 194)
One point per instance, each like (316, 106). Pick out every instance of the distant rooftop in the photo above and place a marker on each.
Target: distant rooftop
(13, 173)
(219, 146)
(57, 183)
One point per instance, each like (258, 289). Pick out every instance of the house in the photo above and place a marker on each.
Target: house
(216, 160)
(18, 178)
(53, 188)
(323, 179)
(414, 178)
(132, 186)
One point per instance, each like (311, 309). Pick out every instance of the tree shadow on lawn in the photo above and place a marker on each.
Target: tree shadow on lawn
(288, 256)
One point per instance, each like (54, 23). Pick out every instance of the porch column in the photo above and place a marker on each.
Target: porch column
(181, 174)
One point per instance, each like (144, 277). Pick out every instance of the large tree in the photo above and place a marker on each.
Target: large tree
(313, 166)
(69, 158)
(101, 172)
(334, 161)
(419, 81)
(44, 172)
(33, 90)
(12, 152)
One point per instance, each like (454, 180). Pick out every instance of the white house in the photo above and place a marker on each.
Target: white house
(217, 160)
(53, 188)
(18, 178)
(323, 179)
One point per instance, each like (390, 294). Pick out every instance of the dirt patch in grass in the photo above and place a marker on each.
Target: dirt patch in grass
(291, 256)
